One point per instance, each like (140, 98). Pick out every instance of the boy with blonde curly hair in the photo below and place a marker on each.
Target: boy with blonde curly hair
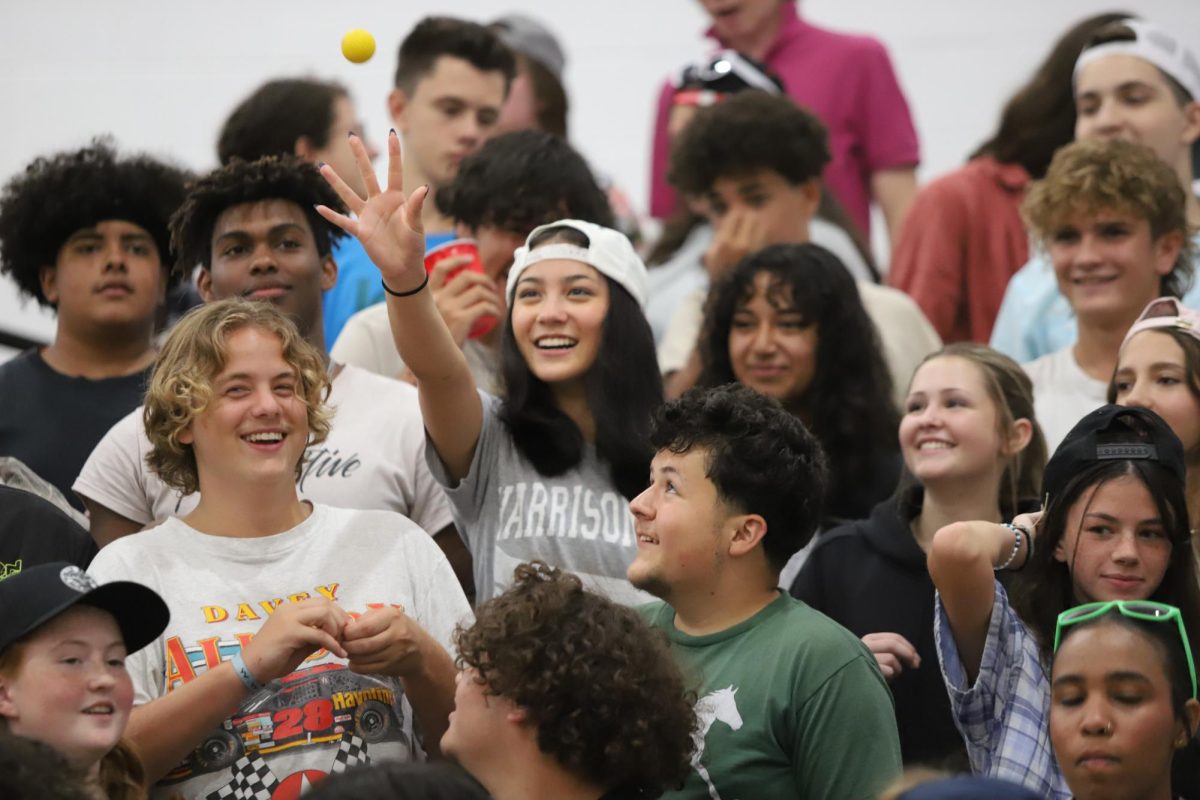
(304, 638)
(1112, 219)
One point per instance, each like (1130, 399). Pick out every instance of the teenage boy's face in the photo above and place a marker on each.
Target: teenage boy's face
(255, 428)
(1126, 97)
(679, 523)
(107, 274)
(453, 110)
(1107, 263)
(267, 251)
(781, 209)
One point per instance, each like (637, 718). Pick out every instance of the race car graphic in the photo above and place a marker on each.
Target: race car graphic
(309, 707)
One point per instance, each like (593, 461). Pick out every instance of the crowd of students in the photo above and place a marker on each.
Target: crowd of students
(536, 521)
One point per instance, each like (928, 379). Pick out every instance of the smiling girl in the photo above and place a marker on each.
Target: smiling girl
(63, 682)
(1123, 700)
(789, 323)
(546, 472)
(1159, 369)
(972, 451)
(1114, 527)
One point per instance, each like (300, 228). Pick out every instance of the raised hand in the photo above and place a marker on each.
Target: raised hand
(388, 225)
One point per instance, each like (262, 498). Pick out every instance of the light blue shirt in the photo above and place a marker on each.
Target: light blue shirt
(1035, 319)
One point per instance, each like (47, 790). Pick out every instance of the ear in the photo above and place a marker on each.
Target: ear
(329, 270)
(1191, 722)
(1191, 128)
(1060, 551)
(1166, 252)
(186, 436)
(748, 533)
(1018, 437)
(204, 285)
(48, 277)
(7, 707)
(397, 103)
(304, 149)
(811, 190)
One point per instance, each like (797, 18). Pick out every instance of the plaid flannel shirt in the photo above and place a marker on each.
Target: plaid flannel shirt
(1004, 716)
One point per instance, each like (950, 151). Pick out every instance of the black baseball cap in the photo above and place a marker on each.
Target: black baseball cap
(36, 595)
(1113, 433)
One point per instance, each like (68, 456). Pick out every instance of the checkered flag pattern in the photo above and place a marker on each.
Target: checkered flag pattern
(252, 780)
(352, 751)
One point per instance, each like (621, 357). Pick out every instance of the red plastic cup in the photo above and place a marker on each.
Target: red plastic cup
(453, 249)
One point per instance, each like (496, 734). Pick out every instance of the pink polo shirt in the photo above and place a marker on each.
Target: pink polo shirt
(848, 82)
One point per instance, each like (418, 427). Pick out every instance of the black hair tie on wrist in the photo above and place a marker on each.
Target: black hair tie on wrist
(405, 294)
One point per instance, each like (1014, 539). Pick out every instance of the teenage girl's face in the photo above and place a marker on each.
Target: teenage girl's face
(558, 312)
(950, 428)
(71, 690)
(1152, 373)
(772, 347)
(1125, 97)
(1115, 544)
(1111, 721)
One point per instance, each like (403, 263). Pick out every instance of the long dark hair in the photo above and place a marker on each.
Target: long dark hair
(850, 398)
(1044, 588)
(623, 388)
(1040, 117)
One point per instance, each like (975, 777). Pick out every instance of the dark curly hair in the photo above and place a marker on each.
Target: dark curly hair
(523, 179)
(761, 459)
(270, 178)
(609, 702)
(434, 37)
(543, 433)
(60, 194)
(400, 780)
(276, 115)
(748, 132)
(848, 403)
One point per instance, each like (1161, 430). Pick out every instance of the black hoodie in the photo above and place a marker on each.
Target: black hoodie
(871, 577)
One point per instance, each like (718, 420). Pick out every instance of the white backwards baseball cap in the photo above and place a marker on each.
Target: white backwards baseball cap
(608, 251)
(1155, 45)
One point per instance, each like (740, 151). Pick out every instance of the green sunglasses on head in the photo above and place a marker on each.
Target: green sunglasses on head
(1147, 610)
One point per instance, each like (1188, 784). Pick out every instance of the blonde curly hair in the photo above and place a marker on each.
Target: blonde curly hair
(195, 352)
(1093, 175)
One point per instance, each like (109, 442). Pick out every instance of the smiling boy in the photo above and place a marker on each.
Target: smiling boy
(792, 704)
(303, 638)
(1112, 218)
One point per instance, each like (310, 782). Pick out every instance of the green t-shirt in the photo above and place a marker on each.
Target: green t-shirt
(792, 705)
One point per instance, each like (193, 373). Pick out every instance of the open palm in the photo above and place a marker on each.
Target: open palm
(388, 226)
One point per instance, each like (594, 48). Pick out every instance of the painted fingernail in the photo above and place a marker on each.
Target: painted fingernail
(320, 165)
(392, 131)
(351, 134)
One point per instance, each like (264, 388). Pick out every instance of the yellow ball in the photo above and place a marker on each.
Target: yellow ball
(358, 46)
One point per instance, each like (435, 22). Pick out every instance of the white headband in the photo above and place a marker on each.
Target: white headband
(1154, 45)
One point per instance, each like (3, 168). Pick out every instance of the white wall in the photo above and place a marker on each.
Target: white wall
(161, 76)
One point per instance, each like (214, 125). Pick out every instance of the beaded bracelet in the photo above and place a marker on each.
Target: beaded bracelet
(405, 294)
(243, 672)
(1017, 536)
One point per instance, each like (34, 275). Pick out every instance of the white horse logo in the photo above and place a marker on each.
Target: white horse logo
(713, 707)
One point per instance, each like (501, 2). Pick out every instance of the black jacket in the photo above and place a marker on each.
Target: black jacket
(871, 577)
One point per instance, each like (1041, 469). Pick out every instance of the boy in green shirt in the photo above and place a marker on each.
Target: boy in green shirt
(791, 704)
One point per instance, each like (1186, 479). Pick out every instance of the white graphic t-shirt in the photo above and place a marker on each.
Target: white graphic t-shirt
(374, 458)
(322, 718)
(508, 513)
